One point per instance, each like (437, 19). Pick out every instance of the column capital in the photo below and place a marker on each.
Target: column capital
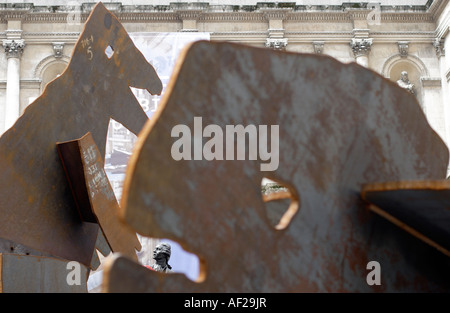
(361, 46)
(438, 44)
(276, 43)
(13, 48)
(318, 46)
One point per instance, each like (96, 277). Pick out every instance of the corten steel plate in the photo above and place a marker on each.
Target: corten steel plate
(340, 126)
(93, 194)
(38, 274)
(9, 246)
(421, 208)
(102, 246)
(36, 205)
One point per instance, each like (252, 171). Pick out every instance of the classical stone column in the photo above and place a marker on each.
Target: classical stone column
(13, 49)
(361, 48)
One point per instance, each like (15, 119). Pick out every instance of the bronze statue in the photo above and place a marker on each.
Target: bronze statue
(161, 254)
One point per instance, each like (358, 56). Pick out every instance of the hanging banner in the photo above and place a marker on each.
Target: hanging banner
(162, 51)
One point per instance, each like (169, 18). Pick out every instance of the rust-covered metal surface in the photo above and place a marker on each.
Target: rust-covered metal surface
(340, 126)
(421, 208)
(39, 274)
(9, 246)
(93, 194)
(36, 205)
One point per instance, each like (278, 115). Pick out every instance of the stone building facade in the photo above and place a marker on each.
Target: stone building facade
(389, 37)
(38, 38)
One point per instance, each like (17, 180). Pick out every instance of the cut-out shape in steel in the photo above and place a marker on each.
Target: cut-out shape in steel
(36, 205)
(340, 126)
(109, 51)
(281, 205)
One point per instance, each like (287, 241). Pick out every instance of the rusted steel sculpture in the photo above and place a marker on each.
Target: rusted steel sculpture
(340, 126)
(38, 274)
(421, 208)
(11, 247)
(37, 208)
(93, 194)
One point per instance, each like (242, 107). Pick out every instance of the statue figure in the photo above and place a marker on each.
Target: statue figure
(161, 255)
(405, 83)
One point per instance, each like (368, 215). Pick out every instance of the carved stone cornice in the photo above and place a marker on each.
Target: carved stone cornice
(318, 16)
(233, 16)
(361, 32)
(275, 14)
(276, 32)
(51, 34)
(320, 33)
(55, 17)
(436, 8)
(13, 34)
(157, 17)
(13, 48)
(162, 13)
(403, 33)
(358, 14)
(46, 38)
(361, 46)
(406, 17)
(189, 14)
(240, 33)
(14, 14)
